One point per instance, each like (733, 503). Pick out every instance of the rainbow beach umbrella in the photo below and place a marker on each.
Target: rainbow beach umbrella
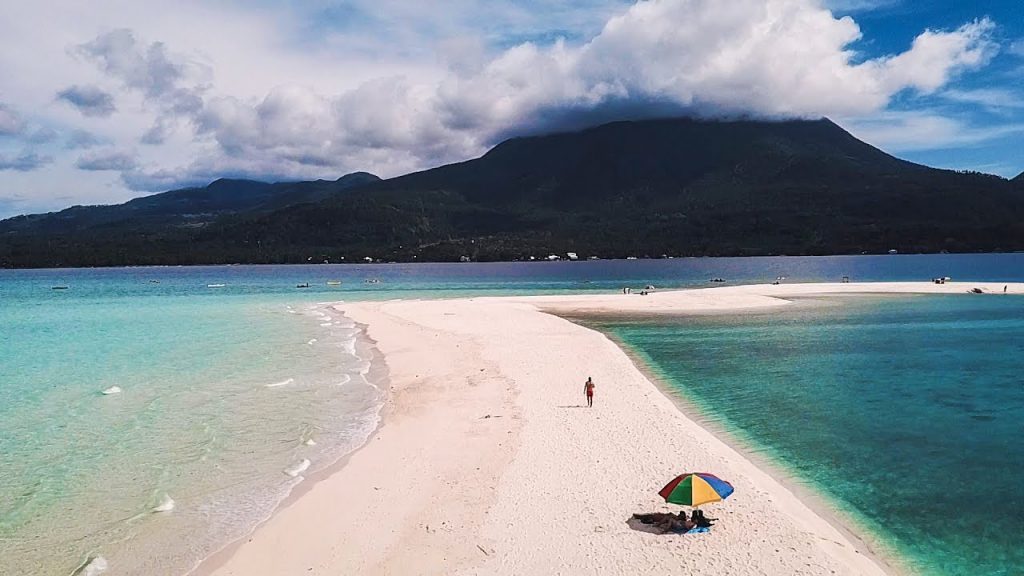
(695, 489)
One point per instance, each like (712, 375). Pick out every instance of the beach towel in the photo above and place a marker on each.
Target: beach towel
(693, 531)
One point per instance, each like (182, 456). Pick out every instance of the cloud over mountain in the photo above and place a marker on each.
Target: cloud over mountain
(768, 58)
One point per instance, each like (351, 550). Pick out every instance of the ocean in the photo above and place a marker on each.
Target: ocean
(142, 406)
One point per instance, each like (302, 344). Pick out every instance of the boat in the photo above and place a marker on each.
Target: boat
(59, 287)
(216, 285)
(304, 285)
(334, 282)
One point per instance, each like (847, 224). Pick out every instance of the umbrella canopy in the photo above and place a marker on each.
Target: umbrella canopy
(696, 488)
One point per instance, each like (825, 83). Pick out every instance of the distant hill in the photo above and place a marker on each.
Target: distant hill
(112, 235)
(648, 188)
(187, 205)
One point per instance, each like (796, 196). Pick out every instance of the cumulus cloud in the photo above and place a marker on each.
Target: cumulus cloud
(89, 100)
(107, 160)
(78, 139)
(41, 135)
(936, 56)
(24, 162)
(11, 123)
(173, 83)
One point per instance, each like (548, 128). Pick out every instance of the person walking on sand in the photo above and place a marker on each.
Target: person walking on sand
(588, 389)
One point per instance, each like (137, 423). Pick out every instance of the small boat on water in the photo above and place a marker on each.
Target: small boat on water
(60, 287)
(334, 282)
(303, 285)
(216, 285)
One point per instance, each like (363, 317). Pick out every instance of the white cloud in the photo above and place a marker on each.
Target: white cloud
(11, 122)
(173, 83)
(923, 130)
(1017, 48)
(991, 98)
(107, 160)
(936, 56)
(81, 139)
(89, 100)
(25, 162)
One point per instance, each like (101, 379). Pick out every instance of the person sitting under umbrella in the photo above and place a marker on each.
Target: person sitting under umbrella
(700, 520)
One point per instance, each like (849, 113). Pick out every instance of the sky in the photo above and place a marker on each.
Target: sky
(107, 100)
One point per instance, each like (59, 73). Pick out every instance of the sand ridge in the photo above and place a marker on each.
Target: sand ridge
(489, 463)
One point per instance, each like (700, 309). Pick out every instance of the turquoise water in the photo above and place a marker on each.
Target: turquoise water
(906, 411)
(231, 379)
(221, 401)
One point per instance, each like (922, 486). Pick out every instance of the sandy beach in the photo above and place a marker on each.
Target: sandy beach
(489, 462)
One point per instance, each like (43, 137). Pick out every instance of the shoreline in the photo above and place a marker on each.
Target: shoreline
(865, 540)
(377, 376)
(257, 552)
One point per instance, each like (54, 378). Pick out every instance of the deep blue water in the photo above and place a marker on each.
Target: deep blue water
(907, 411)
(445, 280)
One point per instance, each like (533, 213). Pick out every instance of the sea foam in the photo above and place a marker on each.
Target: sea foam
(281, 383)
(166, 504)
(91, 567)
(298, 468)
(349, 346)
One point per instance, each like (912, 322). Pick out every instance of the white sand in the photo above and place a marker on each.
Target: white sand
(486, 463)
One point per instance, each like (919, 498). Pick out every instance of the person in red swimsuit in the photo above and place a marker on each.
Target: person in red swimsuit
(588, 389)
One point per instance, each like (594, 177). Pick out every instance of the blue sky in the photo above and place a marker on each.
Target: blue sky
(112, 99)
(988, 103)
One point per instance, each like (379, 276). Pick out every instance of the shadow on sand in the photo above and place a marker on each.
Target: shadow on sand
(641, 527)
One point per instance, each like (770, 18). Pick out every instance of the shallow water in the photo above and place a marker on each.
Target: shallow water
(217, 400)
(906, 411)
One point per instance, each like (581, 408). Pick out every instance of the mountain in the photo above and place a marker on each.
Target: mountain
(152, 229)
(187, 205)
(676, 186)
(681, 187)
